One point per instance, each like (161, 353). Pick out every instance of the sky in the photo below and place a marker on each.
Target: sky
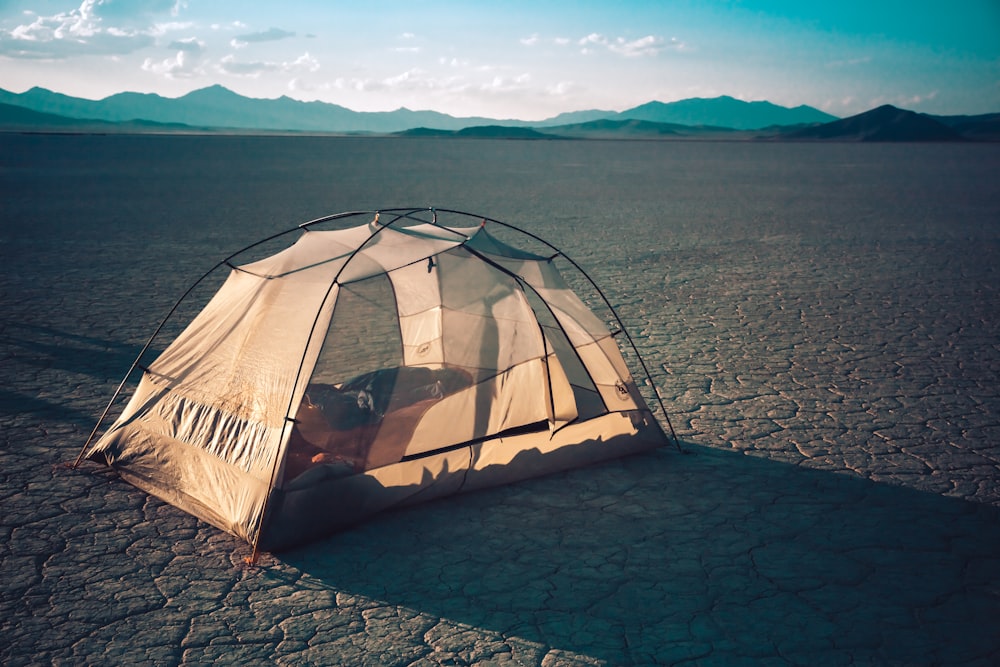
(529, 60)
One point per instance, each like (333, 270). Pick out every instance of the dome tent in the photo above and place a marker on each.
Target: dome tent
(373, 366)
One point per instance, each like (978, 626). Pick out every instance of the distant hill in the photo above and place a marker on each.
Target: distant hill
(503, 132)
(480, 132)
(596, 129)
(727, 112)
(575, 117)
(985, 127)
(19, 119)
(885, 123)
(722, 112)
(425, 132)
(220, 107)
(632, 129)
(217, 106)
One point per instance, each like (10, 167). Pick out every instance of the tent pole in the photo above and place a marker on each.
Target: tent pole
(618, 319)
(276, 466)
(524, 283)
(173, 309)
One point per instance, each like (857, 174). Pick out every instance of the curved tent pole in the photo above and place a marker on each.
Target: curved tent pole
(409, 213)
(604, 298)
(618, 319)
(526, 287)
(400, 215)
(173, 309)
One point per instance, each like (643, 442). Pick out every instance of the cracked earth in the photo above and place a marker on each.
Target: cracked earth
(821, 322)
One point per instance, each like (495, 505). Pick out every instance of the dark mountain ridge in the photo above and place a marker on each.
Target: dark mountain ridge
(20, 119)
(884, 123)
(217, 106)
(218, 109)
(726, 111)
(985, 127)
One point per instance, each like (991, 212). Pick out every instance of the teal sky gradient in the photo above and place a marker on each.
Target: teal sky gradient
(515, 59)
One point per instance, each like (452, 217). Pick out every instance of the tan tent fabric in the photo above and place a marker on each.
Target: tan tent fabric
(363, 367)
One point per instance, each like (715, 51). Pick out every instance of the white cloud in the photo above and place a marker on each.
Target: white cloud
(298, 85)
(407, 77)
(229, 65)
(160, 29)
(304, 62)
(562, 88)
(650, 45)
(471, 91)
(96, 27)
(181, 66)
(414, 79)
(910, 101)
(503, 84)
(186, 63)
(188, 44)
(269, 35)
(836, 106)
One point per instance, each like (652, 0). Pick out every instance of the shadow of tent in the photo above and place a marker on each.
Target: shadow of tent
(15, 403)
(661, 557)
(49, 348)
(45, 350)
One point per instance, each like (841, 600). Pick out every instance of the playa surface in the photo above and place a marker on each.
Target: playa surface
(822, 321)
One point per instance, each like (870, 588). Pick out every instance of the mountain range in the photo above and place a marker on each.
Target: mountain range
(217, 108)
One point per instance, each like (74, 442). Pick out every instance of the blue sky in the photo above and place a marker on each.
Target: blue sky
(516, 59)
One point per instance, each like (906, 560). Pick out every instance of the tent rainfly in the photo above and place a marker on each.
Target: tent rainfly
(373, 366)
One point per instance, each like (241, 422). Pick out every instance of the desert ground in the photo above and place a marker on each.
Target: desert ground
(822, 322)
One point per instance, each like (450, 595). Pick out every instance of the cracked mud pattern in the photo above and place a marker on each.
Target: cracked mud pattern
(821, 322)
